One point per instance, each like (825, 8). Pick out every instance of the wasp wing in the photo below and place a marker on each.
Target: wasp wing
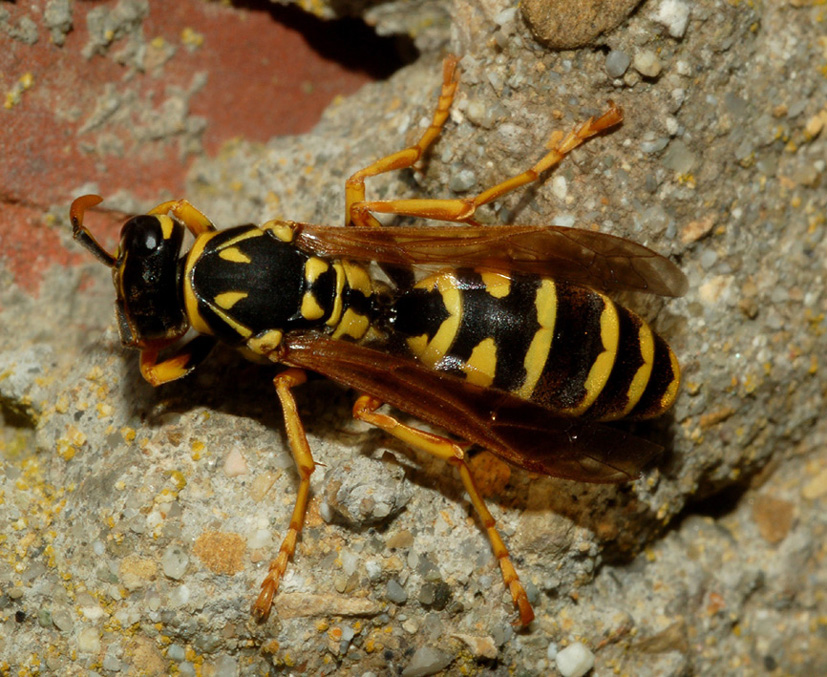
(519, 431)
(582, 257)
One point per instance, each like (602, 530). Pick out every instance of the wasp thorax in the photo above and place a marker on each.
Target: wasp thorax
(146, 279)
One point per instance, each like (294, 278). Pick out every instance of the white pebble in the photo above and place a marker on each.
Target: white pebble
(89, 641)
(575, 660)
(559, 187)
(674, 14)
(646, 63)
(235, 464)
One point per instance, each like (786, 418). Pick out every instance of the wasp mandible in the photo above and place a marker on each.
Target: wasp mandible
(501, 336)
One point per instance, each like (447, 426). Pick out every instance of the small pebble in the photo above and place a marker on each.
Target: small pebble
(679, 158)
(647, 64)
(176, 652)
(174, 562)
(89, 641)
(235, 464)
(464, 180)
(426, 661)
(112, 663)
(616, 63)
(559, 187)
(62, 620)
(575, 660)
(396, 593)
(674, 15)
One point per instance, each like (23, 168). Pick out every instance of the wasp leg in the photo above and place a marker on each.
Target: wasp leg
(179, 365)
(462, 210)
(365, 410)
(355, 185)
(305, 464)
(192, 218)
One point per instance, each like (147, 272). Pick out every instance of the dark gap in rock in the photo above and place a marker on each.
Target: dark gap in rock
(348, 41)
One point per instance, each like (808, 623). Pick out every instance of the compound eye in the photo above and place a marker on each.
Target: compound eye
(141, 234)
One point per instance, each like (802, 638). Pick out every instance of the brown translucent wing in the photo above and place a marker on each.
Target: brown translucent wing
(582, 257)
(521, 432)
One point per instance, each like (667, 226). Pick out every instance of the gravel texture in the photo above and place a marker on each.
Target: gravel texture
(141, 521)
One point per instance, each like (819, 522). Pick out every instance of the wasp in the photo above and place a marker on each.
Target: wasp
(502, 336)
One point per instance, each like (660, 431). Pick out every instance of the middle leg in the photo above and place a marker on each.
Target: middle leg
(461, 210)
(355, 185)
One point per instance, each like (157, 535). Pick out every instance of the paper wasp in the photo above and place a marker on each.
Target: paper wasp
(506, 339)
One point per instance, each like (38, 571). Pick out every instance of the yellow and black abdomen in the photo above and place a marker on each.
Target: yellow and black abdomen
(568, 348)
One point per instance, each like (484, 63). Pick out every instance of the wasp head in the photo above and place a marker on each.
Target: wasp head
(145, 271)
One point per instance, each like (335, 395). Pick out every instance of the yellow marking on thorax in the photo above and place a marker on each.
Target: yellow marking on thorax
(314, 268)
(602, 367)
(336, 313)
(358, 278)
(190, 300)
(242, 330)
(228, 299)
(167, 226)
(234, 254)
(496, 284)
(545, 305)
(480, 367)
(310, 308)
(283, 230)
(253, 232)
(352, 324)
(266, 342)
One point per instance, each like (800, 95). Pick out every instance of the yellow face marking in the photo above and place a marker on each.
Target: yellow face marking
(235, 255)
(336, 313)
(353, 324)
(283, 230)
(265, 343)
(545, 304)
(314, 268)
(496, 284)
(602, 367)
(310, 309)
(229, 298)
(480, 367)
(167, 226)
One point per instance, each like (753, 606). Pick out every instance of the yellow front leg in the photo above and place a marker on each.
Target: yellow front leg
(192, 218)
(179, 365)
